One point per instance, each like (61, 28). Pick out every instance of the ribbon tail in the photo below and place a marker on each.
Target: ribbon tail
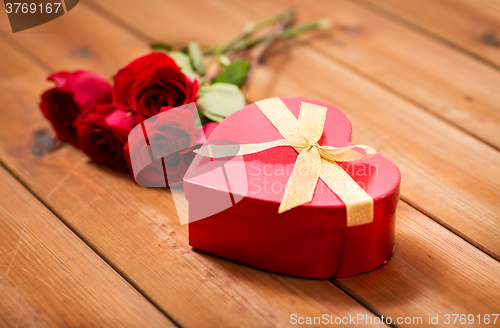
(359, 205)
(347, 154)
(302, 183)
(231, 150)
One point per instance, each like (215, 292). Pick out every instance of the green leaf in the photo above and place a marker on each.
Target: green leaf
(236, 73)
(213, 117)
(182, 60)
(196, 55)
(219, 100)
(160, 46)
(224, 60)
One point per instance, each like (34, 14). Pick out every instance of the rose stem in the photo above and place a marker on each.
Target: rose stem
(285, 34)
(259, 51)
(296, 30)
(284, 19)
(247, 32)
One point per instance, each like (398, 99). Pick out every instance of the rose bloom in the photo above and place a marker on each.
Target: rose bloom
(207, 131)
(151, 83)
(172, 135)
(74, 92)
(102, 133)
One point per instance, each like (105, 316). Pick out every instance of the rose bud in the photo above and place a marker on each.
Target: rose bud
(207, 131)
(102, 133)
(74, 92)
(172, 136)
(151, 83)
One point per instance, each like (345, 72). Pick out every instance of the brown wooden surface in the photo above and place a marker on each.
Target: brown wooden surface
(430, 74)
(427, 150)
(50, 278)
(471, 25)
(137, 230)
(404, 92)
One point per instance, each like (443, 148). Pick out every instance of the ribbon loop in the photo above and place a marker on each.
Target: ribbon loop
(311, 122)
(302, 182)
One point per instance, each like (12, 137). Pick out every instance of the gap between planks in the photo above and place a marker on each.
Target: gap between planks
(129, 28)
(324, 53)
(402, 96)
(401, 20)
(118, 21)
(25, 52)
(327, 283)
(71, 276)
(96, 252)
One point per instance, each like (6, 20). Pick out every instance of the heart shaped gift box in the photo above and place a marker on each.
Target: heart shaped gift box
(234, 201)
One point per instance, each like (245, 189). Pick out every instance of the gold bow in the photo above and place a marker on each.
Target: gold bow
(313, 162)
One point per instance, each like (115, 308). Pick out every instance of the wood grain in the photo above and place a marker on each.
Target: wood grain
(442, 167)
(456, 190)
(50, 278)
(446, 82)
(136, 229)
(182, 281)
(472, 25)
(79, 52)
(433, 272)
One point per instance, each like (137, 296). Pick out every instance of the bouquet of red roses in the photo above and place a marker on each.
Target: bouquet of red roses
(86, 110)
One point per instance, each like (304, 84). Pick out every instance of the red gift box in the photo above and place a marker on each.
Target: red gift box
(233, 202)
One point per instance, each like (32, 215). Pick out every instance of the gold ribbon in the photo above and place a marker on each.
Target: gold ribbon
(313, 162)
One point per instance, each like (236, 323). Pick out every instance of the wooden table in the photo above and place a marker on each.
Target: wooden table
(82, 246)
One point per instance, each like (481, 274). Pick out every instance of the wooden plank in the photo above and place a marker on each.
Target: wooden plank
(442, 167)
(472, 25)
(437, 176)
(77, 52)
(136, 229)
(50, 278)
(441, 79)
(307, 65)
(433, 272)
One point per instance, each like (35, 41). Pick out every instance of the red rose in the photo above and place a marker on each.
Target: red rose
(207, 131)
(102, 133)
(74, 92)
(151, 82)
(172, 135)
